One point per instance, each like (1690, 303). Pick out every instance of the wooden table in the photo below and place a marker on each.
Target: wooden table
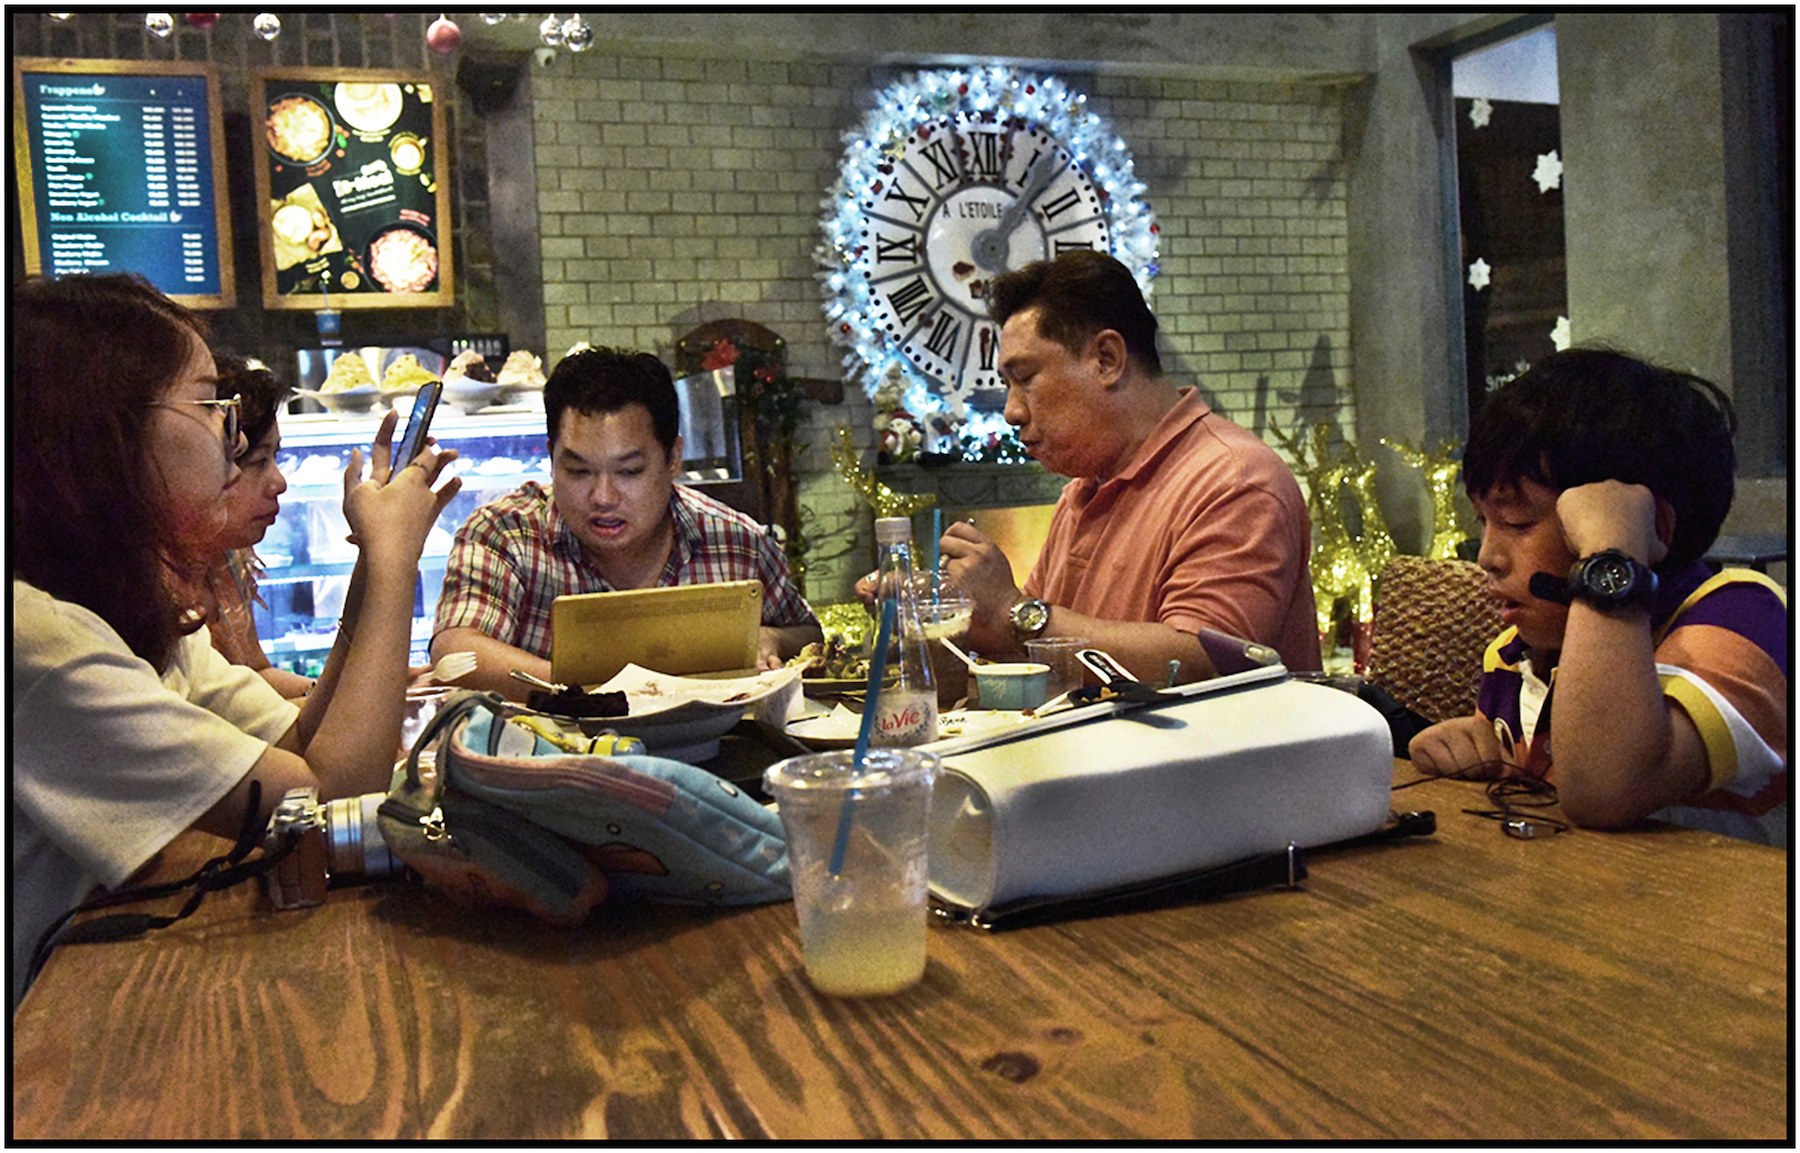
(1465, 986)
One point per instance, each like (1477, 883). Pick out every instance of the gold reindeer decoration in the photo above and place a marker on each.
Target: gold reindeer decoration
(1338, 568)
(1440, 470)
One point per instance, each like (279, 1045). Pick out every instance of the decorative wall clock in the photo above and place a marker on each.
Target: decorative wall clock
(954, 177)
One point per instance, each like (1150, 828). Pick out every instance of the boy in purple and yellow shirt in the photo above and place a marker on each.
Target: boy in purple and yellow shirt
(1600, 481)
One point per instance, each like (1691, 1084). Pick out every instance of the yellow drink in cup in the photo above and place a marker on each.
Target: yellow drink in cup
(857, 856)
(863, 951)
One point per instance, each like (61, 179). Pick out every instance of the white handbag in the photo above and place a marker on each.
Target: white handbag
(1211, 786)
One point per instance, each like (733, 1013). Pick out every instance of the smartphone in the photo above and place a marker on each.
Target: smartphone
(412, 441)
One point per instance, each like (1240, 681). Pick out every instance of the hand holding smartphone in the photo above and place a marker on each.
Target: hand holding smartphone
(418, 424)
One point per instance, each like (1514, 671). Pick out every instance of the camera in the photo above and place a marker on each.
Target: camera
(333, 840)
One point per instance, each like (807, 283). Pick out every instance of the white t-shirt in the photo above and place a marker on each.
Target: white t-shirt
(111, 761)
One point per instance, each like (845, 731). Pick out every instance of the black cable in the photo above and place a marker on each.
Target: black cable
(220, 872)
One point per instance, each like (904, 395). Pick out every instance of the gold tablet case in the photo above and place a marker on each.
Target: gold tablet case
(681, 630)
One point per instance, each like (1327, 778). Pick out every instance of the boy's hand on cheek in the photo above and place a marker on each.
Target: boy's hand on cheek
(1610, 514)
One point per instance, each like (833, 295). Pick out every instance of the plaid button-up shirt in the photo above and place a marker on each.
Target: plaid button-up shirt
(514, 556)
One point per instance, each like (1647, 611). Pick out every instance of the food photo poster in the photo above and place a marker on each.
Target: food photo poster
(352, 180)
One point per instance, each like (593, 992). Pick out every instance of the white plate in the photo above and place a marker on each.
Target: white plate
(348, 400)
(683, 718)
(837, 729)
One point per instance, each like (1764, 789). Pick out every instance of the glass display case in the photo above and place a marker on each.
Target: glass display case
(306, 558)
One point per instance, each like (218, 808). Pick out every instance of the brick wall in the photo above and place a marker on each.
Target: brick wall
(678, 190)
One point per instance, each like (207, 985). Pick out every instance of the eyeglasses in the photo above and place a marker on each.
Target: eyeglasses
(231, 407)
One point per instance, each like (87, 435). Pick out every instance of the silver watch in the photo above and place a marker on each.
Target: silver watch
(1030, 617)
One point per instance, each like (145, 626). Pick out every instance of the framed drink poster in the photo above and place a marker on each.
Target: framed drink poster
(353, 181)
(121, 168)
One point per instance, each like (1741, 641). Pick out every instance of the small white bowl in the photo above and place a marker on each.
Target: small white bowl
(470, 395)
(1018, 685)
(349, 400)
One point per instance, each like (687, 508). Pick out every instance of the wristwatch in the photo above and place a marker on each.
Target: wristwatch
(1612, 579)
(1030, 617)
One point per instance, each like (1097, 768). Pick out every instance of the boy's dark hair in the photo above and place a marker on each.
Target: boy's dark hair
(1588, 415)
(601, 380)
(1077, 295)
(263, 395)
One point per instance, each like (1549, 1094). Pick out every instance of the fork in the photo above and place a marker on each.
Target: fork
(453, 666)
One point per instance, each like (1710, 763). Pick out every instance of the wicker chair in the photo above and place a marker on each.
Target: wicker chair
(1433, 622)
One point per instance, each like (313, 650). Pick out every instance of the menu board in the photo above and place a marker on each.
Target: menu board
(351, 177)
(121, 168)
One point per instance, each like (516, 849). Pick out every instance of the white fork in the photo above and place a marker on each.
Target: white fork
(453, 666)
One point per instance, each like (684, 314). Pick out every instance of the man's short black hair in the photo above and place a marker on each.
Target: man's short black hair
(1589, 415)
(603, 380)
(1077, 295)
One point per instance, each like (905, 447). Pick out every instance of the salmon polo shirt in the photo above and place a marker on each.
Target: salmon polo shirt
(1205, 526)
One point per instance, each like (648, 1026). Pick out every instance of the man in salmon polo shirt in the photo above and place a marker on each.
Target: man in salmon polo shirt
(1175, 519)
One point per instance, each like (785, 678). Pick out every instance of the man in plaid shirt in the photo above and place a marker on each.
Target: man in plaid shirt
(613, 519)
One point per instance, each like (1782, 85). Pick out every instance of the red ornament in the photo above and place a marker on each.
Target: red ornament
(723, 354)
(203, 20)
(443, 35)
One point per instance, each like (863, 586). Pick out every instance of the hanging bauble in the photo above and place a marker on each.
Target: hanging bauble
(59, 17)
(578, 34)
(443, 35)
(551, 31)
(203, 20)
(159, 24)
(492, 18)
(267, 25)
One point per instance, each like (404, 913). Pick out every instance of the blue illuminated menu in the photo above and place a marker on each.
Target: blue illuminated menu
(122, 177)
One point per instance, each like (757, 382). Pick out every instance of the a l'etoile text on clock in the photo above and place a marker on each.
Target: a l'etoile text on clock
(979, 209)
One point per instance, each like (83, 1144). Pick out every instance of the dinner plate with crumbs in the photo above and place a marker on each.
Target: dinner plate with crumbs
(838, 728)
(682, 718)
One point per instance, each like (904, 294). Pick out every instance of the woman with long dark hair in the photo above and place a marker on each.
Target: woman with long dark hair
(127, 726)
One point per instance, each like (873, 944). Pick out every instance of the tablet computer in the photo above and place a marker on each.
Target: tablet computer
(680, 630)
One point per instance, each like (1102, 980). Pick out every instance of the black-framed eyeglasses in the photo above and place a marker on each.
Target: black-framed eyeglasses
(232, 405)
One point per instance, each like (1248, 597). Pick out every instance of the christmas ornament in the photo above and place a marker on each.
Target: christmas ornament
(884, 500)
(578, 34)
(267, 25)
(159, 24)
(491, 18)
(443, 35)
(203, 20)
(550, 32)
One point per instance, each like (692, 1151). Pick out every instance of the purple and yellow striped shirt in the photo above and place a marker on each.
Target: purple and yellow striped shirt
(1722, 657)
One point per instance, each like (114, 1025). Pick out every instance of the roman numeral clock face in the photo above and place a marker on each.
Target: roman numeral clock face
(955, 178)
(961, 205)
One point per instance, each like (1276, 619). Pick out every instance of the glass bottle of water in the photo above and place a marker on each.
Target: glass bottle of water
(907, 711)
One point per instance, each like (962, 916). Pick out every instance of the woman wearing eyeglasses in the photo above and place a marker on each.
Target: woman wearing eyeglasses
(127, 726)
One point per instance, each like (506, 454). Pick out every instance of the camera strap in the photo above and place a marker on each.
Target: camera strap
(218, 873)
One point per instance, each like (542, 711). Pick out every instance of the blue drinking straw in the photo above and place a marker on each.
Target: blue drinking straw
(877, 667)
(937, 530)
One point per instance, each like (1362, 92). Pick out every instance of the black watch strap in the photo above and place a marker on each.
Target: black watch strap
(1612, 579)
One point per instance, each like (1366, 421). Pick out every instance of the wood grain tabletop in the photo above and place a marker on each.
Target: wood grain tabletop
(1463, 986)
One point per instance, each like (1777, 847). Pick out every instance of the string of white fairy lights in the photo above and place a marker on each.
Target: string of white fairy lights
(1043, 102)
